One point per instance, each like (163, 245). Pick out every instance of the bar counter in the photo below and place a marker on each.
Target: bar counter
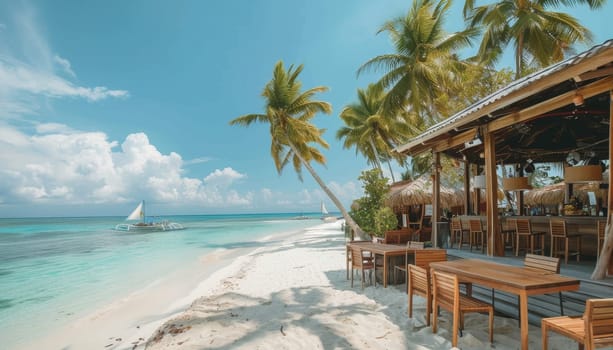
(585, 225)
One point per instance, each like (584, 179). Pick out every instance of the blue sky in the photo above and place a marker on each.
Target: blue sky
(105, 103)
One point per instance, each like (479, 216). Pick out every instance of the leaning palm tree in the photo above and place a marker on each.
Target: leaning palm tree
(293, 138)
(540, 37)
(424, 61)
(371, 132)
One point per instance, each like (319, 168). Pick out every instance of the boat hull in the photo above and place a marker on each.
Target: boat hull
(152, 227)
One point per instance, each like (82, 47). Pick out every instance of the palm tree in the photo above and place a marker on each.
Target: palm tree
(423, 62)
(540, 37)
(372, 133)
(293, 137)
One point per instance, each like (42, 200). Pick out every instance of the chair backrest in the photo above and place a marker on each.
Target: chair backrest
(456, 224)
(357, 258)
(424, 257)
(598, 318)
(415, 245)
(557, 228)
(540, 262)
(475, 225)
(445, 289)
(601, 226)
(419, 281)
(522, 227)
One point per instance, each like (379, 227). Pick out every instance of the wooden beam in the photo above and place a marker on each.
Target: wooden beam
(587, 64)
(495, 244)
(554, 103)
(599, 73)
(436, 187)
(455, 141)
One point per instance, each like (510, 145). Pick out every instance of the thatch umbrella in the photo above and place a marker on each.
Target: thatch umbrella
(419, 191)
(554, 194)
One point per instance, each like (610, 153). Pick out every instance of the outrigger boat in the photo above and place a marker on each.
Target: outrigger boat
(144, 226)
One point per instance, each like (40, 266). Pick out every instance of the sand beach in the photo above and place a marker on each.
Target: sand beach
(290, 293)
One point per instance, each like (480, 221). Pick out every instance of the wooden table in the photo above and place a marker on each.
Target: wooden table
(517, 280)
(387, 251)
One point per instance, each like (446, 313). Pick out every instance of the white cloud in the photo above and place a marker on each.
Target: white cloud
(223, 178)
(65, 65)
(30, 70)
(197, 160)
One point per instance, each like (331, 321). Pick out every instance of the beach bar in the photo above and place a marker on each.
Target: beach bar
(559, 114)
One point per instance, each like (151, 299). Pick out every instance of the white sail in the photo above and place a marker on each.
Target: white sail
(138, 213)
(324, 211)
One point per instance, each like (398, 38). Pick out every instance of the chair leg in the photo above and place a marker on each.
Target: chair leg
(561, 305)
(352, 276)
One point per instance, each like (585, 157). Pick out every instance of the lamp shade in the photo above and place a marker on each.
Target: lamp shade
(582, 173)
(479, 181)
(516, 184)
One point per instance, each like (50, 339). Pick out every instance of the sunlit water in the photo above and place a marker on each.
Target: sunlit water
(55, 270)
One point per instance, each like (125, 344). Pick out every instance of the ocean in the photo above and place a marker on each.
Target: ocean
(56, 270)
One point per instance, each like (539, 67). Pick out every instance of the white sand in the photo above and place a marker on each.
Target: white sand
(290, 294)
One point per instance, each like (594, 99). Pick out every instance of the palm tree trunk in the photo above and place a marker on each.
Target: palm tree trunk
(376, 154)
(389, 165)
(348, 219)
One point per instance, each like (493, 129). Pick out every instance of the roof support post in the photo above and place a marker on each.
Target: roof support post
(436, 196)
(466, 187)
(495, 245)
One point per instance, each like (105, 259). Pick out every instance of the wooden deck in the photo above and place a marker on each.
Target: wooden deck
(543, 305)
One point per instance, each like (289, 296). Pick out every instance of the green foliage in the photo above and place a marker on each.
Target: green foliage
(369, 212)
(385, 220)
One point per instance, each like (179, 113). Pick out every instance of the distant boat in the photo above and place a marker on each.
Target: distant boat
(144, 226)
(301, 217)
(325, 216)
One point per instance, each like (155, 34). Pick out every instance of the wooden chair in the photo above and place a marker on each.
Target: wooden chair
(545, 264)
(362, 262)
(457, 232)
(477, 236)
(560, 235)
(447, 295)
(410, 246)
(523, 228)
(423, 258)
(348, 254)
(601, 235)
(419, 284)
(507, 230)
(592, 330)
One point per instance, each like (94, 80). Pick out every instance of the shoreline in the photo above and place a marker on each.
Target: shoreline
(289, 293)
(127, 322)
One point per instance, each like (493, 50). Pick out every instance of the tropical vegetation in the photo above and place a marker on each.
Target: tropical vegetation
(294, 139)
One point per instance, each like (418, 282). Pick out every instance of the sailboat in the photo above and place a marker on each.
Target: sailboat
(143, 226)
(325, 216)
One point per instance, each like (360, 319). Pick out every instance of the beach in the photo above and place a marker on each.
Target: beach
(291, 293)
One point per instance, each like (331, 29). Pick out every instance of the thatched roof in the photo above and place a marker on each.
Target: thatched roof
(419, 191)
(554, 194)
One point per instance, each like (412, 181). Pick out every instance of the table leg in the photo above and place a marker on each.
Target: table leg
(384, 271)
(523, 318)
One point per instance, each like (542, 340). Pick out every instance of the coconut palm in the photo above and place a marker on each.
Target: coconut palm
(540, 37)
(372, 133)
(293, 138)
(424, 61)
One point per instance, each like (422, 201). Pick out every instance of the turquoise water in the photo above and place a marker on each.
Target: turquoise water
(55, 270)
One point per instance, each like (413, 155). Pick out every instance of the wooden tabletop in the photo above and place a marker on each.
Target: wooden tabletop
(506, 277)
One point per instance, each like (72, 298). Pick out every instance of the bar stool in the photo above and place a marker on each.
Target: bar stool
(457, 232)
(477, 236)
(601, 234)
(560, 235)
(507, 231)
(523, 228)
